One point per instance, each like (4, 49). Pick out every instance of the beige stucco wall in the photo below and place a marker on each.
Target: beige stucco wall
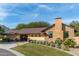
(37, 38)
(13, 36)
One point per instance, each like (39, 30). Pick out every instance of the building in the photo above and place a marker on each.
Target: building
(57, 30)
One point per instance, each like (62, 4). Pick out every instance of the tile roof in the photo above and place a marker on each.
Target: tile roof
(26, 31)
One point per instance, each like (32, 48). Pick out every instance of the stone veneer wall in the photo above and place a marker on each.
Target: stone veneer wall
(70, 31)
(58, 31)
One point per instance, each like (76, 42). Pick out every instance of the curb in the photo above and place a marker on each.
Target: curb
(60, 50)
(65, 51)
(15, 52)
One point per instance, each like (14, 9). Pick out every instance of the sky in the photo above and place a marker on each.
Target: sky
(12, 14)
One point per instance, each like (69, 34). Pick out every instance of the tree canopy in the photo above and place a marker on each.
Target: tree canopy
(1, 30)
(33, 25)
(75, 25)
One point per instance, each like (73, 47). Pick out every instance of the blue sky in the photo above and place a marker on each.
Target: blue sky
(13, 14)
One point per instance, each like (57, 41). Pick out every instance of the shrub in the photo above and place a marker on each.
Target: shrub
(58, 43)
(45, 42)
(77, 33)
(65, 47)
(7, 40)
(52, 44)
(48, 43)
(31, 41)
(38, 42)
(69, 42)
(34, 41)
(42, 42)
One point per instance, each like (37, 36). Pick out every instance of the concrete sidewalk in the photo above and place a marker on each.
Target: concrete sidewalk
(74, 51)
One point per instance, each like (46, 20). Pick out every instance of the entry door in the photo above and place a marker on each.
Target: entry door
(23, 37)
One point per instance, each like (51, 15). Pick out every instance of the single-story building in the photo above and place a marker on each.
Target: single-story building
(51, 33)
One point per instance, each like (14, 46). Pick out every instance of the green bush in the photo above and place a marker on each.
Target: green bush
(38, 42)
(58, 43)
(69, 42)
(7, 40)
(45, 42)
(48, 43)
(77, 33)
(42, 42)
(34, 41)
(31, 41)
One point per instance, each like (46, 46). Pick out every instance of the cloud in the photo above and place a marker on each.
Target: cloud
(36, 15)
(44, 6)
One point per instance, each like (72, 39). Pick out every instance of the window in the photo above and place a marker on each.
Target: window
(39, 35)
(66, 34)
(35, 35)
(31, 35)
(50, 34)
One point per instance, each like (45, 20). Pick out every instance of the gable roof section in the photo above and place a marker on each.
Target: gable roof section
(32, 30)
(54, 25)
(11, 31)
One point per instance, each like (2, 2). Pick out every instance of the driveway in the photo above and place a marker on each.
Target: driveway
(74, 51)
(6, 51)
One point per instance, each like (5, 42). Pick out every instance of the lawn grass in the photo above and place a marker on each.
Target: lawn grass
(31, 49)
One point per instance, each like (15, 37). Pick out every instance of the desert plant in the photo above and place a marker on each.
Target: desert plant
(58, 43)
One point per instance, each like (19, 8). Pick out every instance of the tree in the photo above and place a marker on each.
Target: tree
(33, 25)
(75, 25)
(20, 26)
(1, 30)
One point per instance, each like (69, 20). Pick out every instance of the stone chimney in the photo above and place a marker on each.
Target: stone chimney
(58, 23)
(58, 32)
